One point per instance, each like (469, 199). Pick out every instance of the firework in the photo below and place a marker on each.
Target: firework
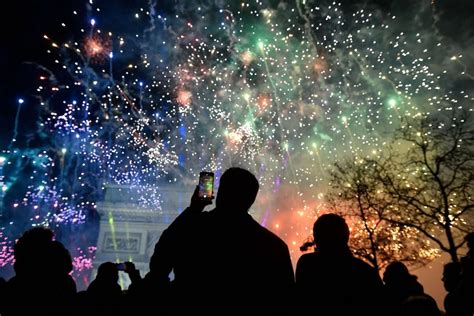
(283, 90)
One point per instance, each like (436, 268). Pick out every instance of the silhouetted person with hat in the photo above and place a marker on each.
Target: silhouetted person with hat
(224, 262)
(400, 285)
(330, 280)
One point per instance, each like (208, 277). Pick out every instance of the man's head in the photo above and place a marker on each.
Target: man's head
(30, 247)
(330, 231)
(108, 272)
(451, 275)
(237, 189)
(395, 272)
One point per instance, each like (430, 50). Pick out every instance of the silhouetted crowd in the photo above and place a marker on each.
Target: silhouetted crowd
(226, 263)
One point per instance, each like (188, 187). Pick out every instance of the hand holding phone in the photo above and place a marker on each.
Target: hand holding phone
(206, 186)
(203, 193)
(120, 266)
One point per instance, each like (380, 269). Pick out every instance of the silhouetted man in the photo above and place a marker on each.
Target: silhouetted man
(400, 284)
(224, 262)
(465, 291)
(451, 281)
(331, 281)
(104, 294)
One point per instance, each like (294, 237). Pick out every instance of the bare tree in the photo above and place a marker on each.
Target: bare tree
(430, 177)
(357, 193)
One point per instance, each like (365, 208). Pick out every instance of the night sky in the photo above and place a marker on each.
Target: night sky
(25, 22)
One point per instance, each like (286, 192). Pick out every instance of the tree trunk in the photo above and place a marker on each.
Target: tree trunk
(452, 247)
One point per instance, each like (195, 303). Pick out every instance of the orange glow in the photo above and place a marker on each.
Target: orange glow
(320, 66)
(263, 101)
(234, 138)
(246, 57)
(184, 97)
(97, 48)
(185, 75)
(291, 218)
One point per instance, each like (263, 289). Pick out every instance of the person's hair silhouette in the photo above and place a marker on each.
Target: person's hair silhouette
(104, 294)
(451, 276)
(237, 191)
(400, 285)
(231, 265)
(396, 272)
(330, 280)
(108, 272)
(469, 238)
(330, 231)
(42, 274)
(467, 261)
(419, 305)
(29, 248)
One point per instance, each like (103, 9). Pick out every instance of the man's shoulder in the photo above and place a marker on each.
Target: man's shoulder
(266, 234)
(362, 265)
(366, 272)
(315, 257)
(245, 223)
(309, 258)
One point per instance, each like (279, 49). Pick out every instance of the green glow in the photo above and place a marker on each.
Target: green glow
(114, 241)
(392, 102)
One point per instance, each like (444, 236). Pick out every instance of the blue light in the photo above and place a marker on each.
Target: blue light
(182, 131)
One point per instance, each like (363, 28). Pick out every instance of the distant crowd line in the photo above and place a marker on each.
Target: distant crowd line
(226, 263)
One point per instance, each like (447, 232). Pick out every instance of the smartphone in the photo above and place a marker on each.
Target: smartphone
(121, 266)
(206, 185)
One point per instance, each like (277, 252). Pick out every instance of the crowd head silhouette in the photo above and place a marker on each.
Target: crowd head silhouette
(209, 275)
(330, 231)
(238, 189)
